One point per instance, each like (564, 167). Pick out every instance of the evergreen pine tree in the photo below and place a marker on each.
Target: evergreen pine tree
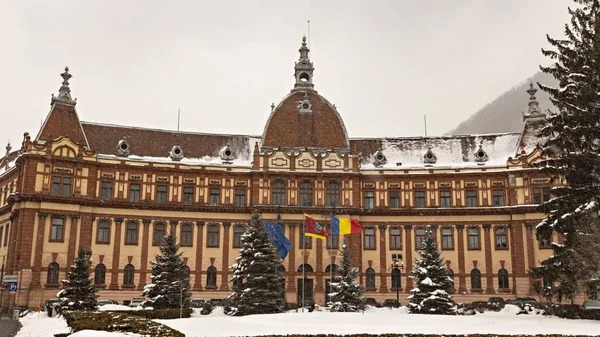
(572, 146)
(432, 282)
(347, 292)
(257, 280)
(170, 285)
(79, 291)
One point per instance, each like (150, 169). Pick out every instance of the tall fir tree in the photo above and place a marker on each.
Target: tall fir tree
(257, 280)
(433, 283)
(347, 292)
(170, 287)
(572, 149)
(79, 291)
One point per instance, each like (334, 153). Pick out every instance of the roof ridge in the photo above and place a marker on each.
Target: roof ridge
(166, 130)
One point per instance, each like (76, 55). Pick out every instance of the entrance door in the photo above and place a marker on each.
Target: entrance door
(308, 290)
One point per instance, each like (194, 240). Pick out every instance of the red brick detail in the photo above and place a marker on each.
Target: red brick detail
(489, 274)
(39, 248)
(198, 267)
(382, 259)
(530, 253)
(86, 232)
(73, 240)
(144, 256)
(225, 265)
(291, 266)
(355, 244)
(319, 288)
(322, 128)
(460, 236)
(114, 273)
(408, 259)
(63, 121)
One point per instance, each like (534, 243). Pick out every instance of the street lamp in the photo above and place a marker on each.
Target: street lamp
(397, 267)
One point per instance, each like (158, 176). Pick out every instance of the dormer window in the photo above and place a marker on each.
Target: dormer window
(429, 157)
(379, 159)
(227, 156)
(123, 148)
(176, 153)
(481, 156)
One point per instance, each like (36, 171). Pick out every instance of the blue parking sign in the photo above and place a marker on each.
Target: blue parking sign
(12, 287)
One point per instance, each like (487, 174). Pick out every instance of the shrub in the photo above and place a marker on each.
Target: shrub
(121, 321)
(206, 308)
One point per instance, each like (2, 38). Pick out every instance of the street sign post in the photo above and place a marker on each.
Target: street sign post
(12, 286)
(10, 278)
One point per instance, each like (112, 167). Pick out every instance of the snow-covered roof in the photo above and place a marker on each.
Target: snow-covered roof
(458, 151)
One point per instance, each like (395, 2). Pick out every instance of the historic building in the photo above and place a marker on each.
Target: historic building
(116, 190)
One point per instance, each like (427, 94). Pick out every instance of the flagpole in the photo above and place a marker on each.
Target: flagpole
(303, 267)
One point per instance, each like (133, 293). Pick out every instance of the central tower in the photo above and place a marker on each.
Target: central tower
(303, 70)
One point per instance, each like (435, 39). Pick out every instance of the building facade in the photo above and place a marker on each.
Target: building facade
(116, 190)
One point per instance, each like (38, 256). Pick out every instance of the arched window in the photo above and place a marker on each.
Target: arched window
(475, 279)
(370, 272)
(128, 275)
(100, 274)
(336, 268)
(396, 280)
(52, 273)
(307, 267)
(306, 194)
(278, 193)
(503, 279)
(333, 194)
(186, 273)
(211, 276)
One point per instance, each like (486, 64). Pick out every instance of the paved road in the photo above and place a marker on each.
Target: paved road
(8, 327)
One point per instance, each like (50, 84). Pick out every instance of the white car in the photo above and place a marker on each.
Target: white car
(136, 303)
(591, 305)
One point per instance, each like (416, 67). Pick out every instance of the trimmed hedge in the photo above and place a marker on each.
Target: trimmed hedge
(570, 311)
(118, 321)
(157, 313)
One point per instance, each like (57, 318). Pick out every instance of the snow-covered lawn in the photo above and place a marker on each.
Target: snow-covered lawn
(373, 321)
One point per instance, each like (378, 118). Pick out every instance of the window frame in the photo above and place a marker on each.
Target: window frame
(395, 237)
(211, 277)
(240, 198)
(544, 242)
(419, 238)
(100, 275)
(333, 194)
(188, 195)
(128, 230)
(370, 279)
(103, 239)
(106, 190)
(213, 235)
(238, 231)
(447, 239)
(62, 183)
(394, 195)
(214, 196)
(162, 195)
(543, 194)
(471, 199)
(503, 279)
(157, 240)
(187, 235)
(52, 237)
(129, 275)
(368, 199)
(133, 192)
(500, 236)
(53, 273)
(469, 246)
(475, 280)
(278, 193)
(333, 241)
(498, 198)
(369, 238)
(420, 196)
(305, 194)
(446, 199)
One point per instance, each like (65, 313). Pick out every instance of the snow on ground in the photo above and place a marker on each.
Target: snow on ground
(381, 320)
(372, 321)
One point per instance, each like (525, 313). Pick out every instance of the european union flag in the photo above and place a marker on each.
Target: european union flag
(281, 243)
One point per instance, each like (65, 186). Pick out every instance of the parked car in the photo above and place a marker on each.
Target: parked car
(126, 302)
(591, 305)
(136, 302)
(197, 302)
(105, 302)
(216, 302)
(391, 303)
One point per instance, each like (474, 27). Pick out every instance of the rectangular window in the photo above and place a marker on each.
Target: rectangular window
(103, 232)
(159, 234)
(395, 238)
(501, 238)
(134, 193)
(473, 238)
(186, 235)
(419, 199)
(498, 198)
(240, 197)
(369, 200)
(419, 238)
(107, 190)
(472, 198)
(214, 196)
(444, 199)
(131, 236)
(447, 239)
(541, 194)
(238, 230)
(56, 231)
(333, 241)
(394, 199)
(213, 236)
(188, 195)
(61, 186)
(161, 194)
(369, 238)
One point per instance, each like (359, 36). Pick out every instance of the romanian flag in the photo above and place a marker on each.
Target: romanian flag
(341, 226)
(313, 228)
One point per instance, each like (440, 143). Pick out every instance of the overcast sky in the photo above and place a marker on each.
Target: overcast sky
(383, 63)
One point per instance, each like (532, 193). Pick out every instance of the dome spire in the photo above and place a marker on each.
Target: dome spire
(8, 148)
(303, 69)
(64, 93)
(534, 107)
